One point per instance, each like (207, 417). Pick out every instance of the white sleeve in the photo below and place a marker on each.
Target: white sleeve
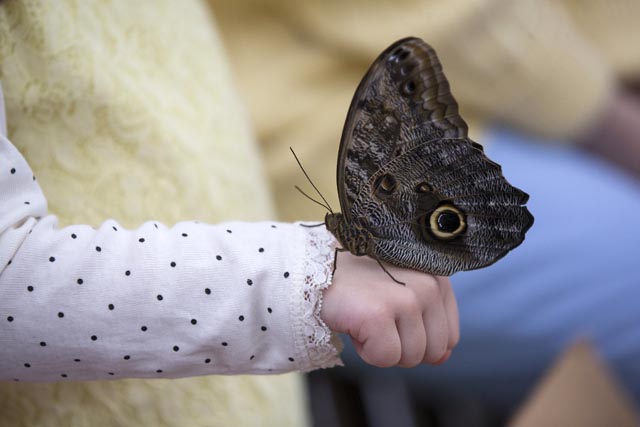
(80, 303)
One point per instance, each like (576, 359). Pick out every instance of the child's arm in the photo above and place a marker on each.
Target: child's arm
(80, 303)
(194, 299)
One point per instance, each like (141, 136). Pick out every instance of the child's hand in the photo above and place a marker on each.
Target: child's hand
(391, 324)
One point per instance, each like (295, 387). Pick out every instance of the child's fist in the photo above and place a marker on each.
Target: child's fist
(391, 324)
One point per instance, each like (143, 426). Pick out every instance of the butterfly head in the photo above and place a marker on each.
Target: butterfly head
(354, 236)
(333, 222)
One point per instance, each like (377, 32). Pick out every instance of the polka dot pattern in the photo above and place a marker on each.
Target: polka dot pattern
(185, 302)
(84, 303)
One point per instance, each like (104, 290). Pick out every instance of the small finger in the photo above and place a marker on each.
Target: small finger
(413, 338)
(451, 307)
(437, 329)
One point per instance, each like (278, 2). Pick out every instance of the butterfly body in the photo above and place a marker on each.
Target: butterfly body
(354, 236)
(415, 190)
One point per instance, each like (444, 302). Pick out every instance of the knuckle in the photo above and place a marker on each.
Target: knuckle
(427, 288)
(409, 302)
(378, 312)
(413, 307)
(432, 291)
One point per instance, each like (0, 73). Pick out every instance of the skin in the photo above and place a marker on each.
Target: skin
(391, 324)
(616, 135)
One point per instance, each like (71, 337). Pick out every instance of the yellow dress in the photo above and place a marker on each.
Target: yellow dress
(144, 85)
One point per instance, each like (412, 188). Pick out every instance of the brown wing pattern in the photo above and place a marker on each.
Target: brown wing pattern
(455, 174)
(403, 100)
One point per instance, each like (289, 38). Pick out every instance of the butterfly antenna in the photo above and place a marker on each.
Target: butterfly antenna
(326, 205)
(311, 198)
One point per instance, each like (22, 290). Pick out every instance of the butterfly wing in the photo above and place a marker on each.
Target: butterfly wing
(407, 170)
(443, 207)
(403, 99)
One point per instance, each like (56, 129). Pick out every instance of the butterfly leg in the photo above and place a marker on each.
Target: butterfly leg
(386, 271)
(335, 259)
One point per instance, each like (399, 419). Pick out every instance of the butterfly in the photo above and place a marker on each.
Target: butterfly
(415, 191)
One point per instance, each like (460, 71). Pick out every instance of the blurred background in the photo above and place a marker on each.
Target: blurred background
(550, 89)
(175, 110)
(545, 68)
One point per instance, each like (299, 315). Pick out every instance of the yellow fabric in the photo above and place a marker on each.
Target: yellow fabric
(524, 62)
(125, 110)
(612, 28)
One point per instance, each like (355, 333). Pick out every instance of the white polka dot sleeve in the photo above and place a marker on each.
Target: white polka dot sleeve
(80, 303)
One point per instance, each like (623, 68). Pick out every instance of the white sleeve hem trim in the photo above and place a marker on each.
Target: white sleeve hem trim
(322, 346)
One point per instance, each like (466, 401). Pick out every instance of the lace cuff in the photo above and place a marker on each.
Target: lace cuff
(320, 343)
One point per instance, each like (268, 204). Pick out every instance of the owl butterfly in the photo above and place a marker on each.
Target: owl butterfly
(415, 190)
